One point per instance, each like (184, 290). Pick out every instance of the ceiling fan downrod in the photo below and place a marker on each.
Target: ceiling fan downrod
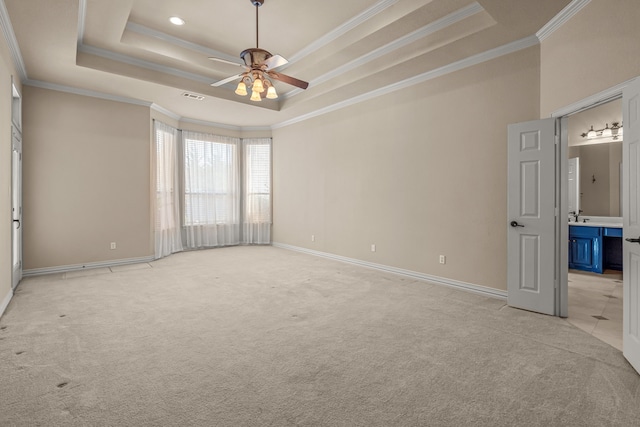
(257, 4)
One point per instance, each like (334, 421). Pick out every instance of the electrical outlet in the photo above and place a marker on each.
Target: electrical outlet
(443, 259)
(373, 248)
(113, 245)
(313, 237)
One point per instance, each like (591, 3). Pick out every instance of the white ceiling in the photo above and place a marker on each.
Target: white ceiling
(128, 48)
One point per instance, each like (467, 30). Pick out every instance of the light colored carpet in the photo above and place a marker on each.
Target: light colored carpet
(261, 336)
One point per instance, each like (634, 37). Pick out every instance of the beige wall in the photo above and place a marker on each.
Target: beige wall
(86, 179)
(595, 50)
(421, 172)
(7, 70)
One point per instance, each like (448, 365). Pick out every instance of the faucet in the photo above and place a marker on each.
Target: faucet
(576, 214)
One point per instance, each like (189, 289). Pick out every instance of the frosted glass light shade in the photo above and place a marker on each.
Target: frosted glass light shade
(241, 89)
(271, 93)
(257, 86)
(606, 132)
(255, 96)
(591, 134)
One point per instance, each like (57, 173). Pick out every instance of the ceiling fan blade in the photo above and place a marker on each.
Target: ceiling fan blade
(224, 61)
(227, 80)
(275, 61)
(288, 79)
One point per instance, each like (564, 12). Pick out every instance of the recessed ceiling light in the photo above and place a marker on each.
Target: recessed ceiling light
(176, 20)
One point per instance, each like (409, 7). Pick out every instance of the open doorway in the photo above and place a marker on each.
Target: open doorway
(595, 277)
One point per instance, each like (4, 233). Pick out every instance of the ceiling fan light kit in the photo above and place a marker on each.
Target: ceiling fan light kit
(259, 65)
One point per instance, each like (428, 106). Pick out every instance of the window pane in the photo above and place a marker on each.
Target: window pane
(165, 152)
(210, 182)
(258, 181)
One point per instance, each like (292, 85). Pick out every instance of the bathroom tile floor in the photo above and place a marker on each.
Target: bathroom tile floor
(595, 304)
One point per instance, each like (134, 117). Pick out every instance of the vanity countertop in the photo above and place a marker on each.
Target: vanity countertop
(597, 224)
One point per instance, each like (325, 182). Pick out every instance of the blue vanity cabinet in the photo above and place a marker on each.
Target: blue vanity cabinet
(585, 248)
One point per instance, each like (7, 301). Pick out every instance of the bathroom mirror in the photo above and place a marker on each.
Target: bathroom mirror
(599, 177)
(599, 160)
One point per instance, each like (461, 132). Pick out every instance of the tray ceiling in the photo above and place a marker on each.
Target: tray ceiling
(128, 48)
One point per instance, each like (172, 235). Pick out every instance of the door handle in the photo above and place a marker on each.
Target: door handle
(515, 224)
(18, 221)
(633, 240)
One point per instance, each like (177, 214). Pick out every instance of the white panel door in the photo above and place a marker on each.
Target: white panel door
(16, 207)
(531, 221)
(631, 223)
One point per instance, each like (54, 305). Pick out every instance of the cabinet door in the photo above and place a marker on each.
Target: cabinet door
(582, 252)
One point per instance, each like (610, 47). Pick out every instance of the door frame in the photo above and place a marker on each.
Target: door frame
(17, 265)
(562, 185)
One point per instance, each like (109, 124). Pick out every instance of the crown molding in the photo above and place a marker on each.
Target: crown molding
(168, 113)
(151, 105)
(149, 32)
(12, 42)
(425, 31)
(558, 21)
(85, 92)
(82, 17)
(223, 126)
(342, 29)
(114, 56)
(420, 78)
(210, 124)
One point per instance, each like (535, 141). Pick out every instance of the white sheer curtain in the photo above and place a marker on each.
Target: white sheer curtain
(256, 218)
(168, 237)
(211, 190)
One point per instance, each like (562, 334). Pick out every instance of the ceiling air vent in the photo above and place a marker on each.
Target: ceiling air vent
(193, 96)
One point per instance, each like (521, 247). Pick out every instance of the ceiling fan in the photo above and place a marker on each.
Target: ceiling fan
(259, 69)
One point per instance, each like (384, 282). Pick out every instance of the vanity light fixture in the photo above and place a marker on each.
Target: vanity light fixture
(176, 20)
(614, 132)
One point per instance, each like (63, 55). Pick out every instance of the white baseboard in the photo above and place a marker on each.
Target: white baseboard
(5, 302)
(469, 287)
(76, 267)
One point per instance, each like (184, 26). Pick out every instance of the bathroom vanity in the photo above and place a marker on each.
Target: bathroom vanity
(595, 246)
